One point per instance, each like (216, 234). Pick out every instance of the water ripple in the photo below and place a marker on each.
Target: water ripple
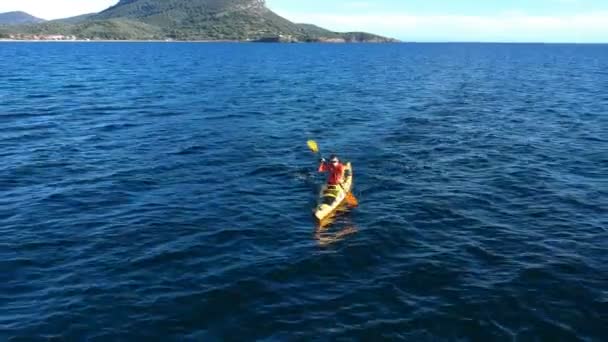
(164, 191)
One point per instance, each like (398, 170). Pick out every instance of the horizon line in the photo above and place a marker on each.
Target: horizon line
(307, 43)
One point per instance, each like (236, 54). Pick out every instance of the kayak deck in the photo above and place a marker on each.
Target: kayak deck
(332, 197)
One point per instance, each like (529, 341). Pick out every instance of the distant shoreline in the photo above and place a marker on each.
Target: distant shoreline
(174, 41)
(117, 41)
(2, 40)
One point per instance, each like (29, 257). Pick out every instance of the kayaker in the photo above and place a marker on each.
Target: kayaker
(335, 169)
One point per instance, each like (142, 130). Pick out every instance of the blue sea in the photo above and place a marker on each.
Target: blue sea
(163, 192)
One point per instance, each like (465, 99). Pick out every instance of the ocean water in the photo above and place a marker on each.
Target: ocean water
(154, 191)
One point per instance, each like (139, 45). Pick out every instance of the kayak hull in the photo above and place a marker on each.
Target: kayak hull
(332, 197)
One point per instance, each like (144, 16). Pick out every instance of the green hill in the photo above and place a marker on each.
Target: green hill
(75, 20)
(241, 20)
(18, 18)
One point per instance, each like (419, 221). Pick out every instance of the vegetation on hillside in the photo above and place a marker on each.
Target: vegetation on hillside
(18, 18)
(243, 20)
(76, 20)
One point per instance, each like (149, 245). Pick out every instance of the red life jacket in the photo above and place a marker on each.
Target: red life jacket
(335, 172)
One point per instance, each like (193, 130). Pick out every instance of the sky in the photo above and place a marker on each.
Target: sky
(581, 21)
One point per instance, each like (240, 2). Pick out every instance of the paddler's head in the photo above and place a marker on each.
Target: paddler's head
(334, 159)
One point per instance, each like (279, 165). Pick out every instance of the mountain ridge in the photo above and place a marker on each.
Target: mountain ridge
(18, 17)
(209, 20)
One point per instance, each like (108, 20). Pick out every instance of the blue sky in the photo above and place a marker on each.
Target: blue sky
(455, 7)
(409, 20)
(459, 20)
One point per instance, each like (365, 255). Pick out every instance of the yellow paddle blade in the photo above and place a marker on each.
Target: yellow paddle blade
(352, 200)
(312, 145)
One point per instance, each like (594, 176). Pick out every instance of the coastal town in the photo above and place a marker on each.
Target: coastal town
(67, 38)
(41, 37)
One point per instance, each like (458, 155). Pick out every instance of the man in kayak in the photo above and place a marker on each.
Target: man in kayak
(335, 169)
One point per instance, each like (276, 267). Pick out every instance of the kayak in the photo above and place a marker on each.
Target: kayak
(332, 197)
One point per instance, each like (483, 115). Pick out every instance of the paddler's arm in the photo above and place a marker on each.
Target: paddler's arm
(323, 165)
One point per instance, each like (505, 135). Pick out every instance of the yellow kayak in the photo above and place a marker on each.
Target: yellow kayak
(332, 197)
